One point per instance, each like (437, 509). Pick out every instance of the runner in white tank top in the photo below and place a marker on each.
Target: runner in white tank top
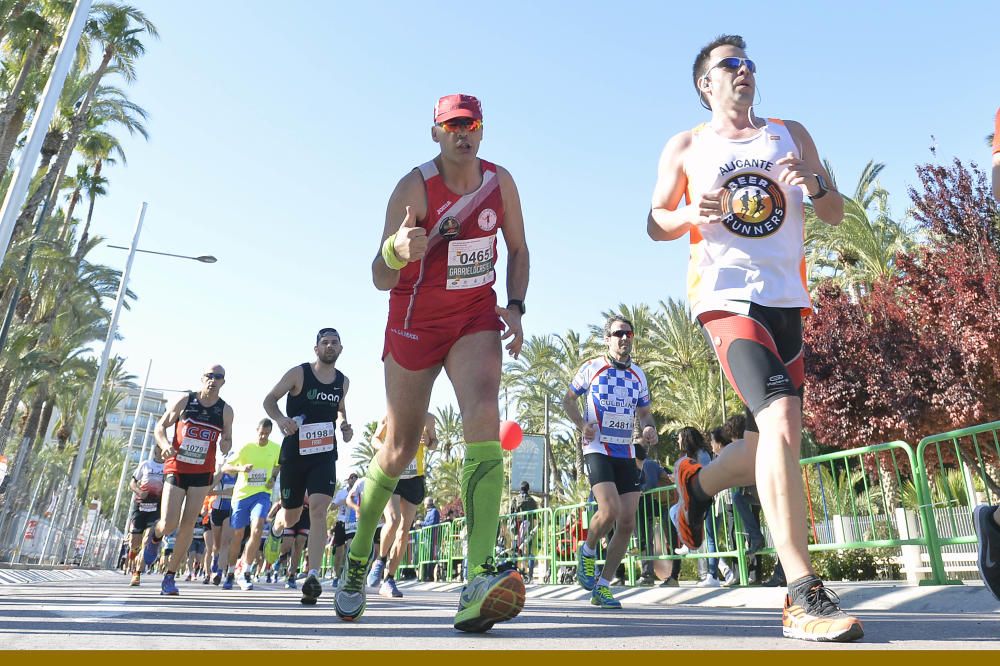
(744, 179)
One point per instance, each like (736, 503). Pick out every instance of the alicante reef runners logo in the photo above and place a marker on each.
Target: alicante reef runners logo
(754, 205)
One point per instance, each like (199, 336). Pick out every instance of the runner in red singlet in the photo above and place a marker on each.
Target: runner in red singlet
(439, 268)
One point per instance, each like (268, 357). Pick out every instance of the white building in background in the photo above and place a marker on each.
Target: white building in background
(120, 418)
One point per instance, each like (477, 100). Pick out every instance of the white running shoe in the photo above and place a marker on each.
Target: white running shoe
(709, 581)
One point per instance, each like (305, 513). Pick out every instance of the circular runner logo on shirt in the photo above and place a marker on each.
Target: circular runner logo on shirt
(753, 205)
(449, 227)
(487, 219)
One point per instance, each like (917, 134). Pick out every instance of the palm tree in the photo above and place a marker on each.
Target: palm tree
(364, 450)
(117, 28)
(862, 249)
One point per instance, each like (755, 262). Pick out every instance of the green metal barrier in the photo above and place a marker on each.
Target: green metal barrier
(433, 548)
(963, 450)
(526, 538)
(853, 502)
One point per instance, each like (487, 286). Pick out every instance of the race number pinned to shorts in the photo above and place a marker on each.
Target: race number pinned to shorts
(316, 438)
(470, 263)
(147, 507)
(193, 451)
(257, 477)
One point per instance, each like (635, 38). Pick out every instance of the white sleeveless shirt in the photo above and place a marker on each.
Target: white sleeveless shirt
(755, 254)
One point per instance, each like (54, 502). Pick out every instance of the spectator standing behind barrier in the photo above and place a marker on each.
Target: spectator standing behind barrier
(432, 517)
(697, 449)
(746, 502)
(525, 528)
(652, 475)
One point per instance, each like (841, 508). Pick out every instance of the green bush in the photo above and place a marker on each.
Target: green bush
(856, 564)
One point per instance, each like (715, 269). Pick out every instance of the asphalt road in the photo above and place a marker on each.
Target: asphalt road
(106, 613)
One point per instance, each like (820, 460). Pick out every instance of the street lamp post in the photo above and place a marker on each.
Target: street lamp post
(102, 369)
(43, 115)
(128, 447)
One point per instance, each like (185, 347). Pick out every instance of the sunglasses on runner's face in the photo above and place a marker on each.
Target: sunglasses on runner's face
(733, 63)
(214, 375)
(461, 125)
(628, 335)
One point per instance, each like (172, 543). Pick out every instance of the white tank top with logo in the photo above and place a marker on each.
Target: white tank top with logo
(755, 254)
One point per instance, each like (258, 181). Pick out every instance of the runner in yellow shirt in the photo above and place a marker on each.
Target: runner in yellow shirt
(256, 467)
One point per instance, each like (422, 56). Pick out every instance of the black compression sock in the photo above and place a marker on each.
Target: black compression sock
(698, 492)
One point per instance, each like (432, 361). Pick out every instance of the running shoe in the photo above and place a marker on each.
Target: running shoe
(245, 582)
(601, 596)
(349, 601)
(709, 581)
(335, 583)
(691, 516)
(988, 537)
(169, 586)
(228, 585)
(375, 575)
(388, 589)
(815, 615)
(490, 596)
(732, 580)
(647, 581)
(670, 582)
(206, 580)
(135, 580)
(311, 589)
(217, 578)
(150, 552)
(187, 578)
(290, 583)
(586, 569)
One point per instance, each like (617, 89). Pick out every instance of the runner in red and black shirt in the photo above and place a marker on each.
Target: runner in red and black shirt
(203, 422)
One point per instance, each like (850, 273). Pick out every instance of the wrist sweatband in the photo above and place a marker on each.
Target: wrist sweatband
(389, 255)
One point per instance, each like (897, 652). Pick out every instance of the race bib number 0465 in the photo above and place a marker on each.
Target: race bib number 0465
(470, 263)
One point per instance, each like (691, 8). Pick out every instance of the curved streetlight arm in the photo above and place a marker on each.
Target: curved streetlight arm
(205, 259)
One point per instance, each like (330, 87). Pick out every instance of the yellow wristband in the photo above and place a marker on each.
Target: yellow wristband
(389, 255)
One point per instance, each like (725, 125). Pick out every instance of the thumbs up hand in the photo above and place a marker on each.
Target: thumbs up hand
(411, 240)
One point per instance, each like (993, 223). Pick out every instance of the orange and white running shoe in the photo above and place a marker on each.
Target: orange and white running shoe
(815, 615)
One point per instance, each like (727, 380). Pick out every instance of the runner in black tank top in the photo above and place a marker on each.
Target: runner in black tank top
(316, 399)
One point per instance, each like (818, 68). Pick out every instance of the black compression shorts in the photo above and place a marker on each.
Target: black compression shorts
(411, 490)
(302, 475)
(620, 471)
(760, 353)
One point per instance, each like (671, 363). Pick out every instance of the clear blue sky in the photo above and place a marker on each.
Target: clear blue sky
(279, 130)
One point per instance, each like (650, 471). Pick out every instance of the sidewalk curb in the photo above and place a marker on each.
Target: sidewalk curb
(47, 575)
(973, 597)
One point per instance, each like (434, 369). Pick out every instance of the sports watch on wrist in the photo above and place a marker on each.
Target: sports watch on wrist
(516, 304)
(823, 189)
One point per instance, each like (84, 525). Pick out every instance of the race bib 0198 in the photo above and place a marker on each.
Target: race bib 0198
(316, 438)
(470, 263)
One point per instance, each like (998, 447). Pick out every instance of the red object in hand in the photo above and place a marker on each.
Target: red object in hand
(510, 435)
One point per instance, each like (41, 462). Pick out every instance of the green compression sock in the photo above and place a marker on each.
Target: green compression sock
(377, 492)
(482, 485)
